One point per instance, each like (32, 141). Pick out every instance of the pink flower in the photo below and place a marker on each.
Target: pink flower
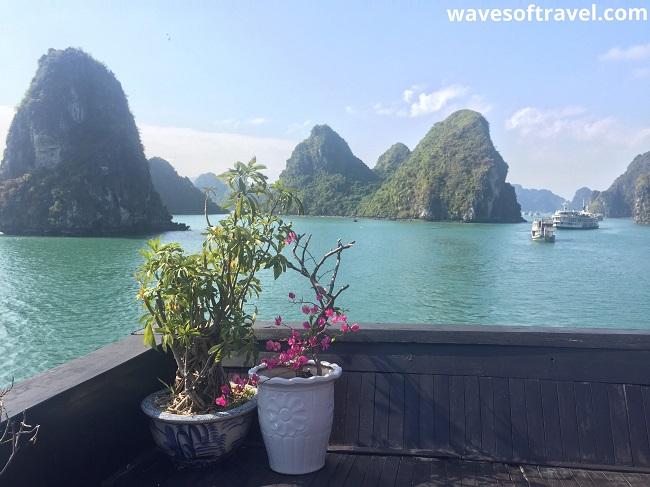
(236, 379)
(345, 327)
(343, 318)
(325, 342)
(314, 309)
(292, 296)
(305, 309)
(302, 360)
(322, 321)
(319, 297)
(225, 389)
(354, 327)
(306, 325)
(254, 379)
(313, 341)
(329, 312)
(278, 321)
(221, 401)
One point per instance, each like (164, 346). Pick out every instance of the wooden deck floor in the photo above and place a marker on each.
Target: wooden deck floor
(249, 468)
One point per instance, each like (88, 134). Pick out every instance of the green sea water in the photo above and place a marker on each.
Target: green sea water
(61, 298)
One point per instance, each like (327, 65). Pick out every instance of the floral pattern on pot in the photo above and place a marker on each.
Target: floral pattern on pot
(287, 414)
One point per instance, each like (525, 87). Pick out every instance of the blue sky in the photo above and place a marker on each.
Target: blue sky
(213, 82)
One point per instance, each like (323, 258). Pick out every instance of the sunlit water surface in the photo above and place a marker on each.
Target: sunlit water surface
(61, 298)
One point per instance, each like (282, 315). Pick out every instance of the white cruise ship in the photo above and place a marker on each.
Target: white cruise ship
(574, 220)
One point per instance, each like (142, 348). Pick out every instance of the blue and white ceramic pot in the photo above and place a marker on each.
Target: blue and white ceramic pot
(295, 416)
(202, 439)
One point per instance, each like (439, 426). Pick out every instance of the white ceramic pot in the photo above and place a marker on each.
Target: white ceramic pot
(295, 416)
(201, 439)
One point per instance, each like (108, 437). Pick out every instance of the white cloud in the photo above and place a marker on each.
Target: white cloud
(258, 121)
(350, 111)
(435, 101)
(6, 116)
(192, 152)
(632, 53)
(564, 149)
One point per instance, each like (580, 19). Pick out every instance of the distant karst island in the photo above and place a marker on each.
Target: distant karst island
(74, 163)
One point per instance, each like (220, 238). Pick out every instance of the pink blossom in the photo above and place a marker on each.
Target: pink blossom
(335, 319)
(305, 309)
(329, 312)
(325, 342)
(302, 360)
(236, 379)
(278, 321)
(225, 389)
(313, 341)
(322, 321)
(221, 401)
(345, 327)
(292, 296)
(354, 327)
(319, 297)
(343, 318)
(254, 379)
(314, 309)
(306, 325)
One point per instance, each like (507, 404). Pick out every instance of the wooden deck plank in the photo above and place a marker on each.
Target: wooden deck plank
(426, 413)
(341, 400)
(358, 470)
(366, 411)
(353, 428)
(568, 422)
(602, 424)
(519, 420)
(488, 428)
(586, 427)
(457, 440)
(389, 472)
(551, 418)
(638, 426)
(502, 424)
(373, 473)
(412, 420)
(535, 420)
(342, 471)
(380, 428)
(441, 413)
(468, 474)
(323, 476)
(620, 424)
(397, 411)
(405, 472)
(472, 415)
(421, 471)
(438, 472)
(580, 477)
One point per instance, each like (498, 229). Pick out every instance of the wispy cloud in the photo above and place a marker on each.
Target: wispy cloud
(632, 53)
(428, 103)
(575, 124)
(416, 101)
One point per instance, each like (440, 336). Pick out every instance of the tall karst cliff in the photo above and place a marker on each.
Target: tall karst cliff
(329, 178)
(454, 174)
(619, 200)
(74, 163)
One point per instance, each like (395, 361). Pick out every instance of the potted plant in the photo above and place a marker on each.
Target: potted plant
(197, 304)
(295, 399)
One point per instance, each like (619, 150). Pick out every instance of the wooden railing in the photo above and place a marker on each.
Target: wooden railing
(531, 395)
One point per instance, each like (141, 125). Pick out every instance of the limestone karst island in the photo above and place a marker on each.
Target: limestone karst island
(74, 163)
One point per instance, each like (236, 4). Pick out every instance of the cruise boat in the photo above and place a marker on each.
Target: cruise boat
(575, 220)
(543, 230)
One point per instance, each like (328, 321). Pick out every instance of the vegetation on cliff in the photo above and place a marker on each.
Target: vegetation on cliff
(453, 174)
(619, 200)
(74, 163)
(642, 199)
(178, 194)
(330, 180)
(390, 160)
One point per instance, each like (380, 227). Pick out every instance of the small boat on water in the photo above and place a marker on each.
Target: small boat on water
(543, 230)
(575, 220)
